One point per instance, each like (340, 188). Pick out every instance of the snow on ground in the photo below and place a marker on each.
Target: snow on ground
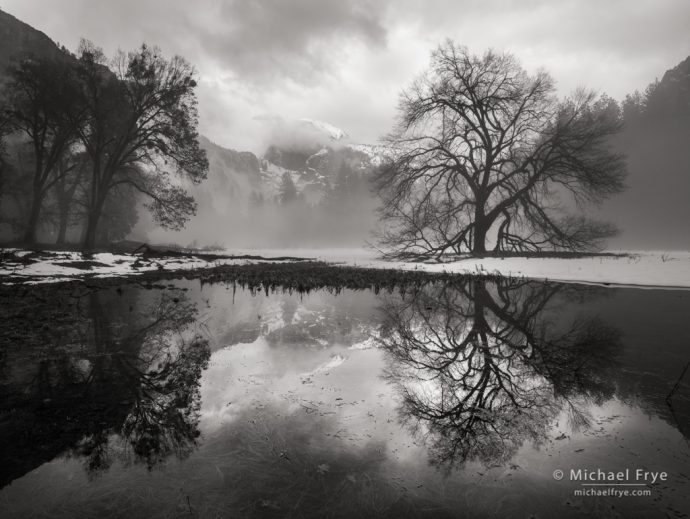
(670, 269)
(61, 266)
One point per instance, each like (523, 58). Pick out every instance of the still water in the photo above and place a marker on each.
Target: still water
(441, 400)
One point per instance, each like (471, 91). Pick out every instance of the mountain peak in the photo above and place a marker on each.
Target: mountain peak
(332, 132)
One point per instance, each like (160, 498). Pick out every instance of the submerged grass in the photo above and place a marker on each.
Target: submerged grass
(289, 276)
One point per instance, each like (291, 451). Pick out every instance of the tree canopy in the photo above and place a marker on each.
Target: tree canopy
(90, 136)
(484, 151)
(141, 131)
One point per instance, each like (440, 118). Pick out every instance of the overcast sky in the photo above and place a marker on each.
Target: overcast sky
(345, 62)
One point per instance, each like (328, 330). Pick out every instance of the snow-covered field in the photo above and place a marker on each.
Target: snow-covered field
(638, 268)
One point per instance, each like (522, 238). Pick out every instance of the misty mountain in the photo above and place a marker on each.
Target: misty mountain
(670, 97)
(238, 177)
(240, 203)
(234, 174)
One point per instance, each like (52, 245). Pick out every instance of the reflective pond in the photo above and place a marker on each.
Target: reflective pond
(459, 399)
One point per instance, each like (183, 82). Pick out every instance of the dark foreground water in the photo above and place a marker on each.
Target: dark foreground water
(460, 400)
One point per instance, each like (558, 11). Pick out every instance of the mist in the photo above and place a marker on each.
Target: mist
(311, 187)
(293, 103)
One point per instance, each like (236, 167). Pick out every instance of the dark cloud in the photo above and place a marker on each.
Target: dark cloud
(268, 39)
(345, 61)
(256, 41)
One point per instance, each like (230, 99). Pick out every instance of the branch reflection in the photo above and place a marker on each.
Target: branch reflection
(484, 366)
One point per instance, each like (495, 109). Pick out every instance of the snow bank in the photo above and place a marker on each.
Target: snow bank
(49, 266)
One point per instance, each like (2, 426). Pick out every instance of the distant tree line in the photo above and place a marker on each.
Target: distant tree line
(84, 140)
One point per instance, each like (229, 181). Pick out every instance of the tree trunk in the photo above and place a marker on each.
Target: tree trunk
(481, 227)
(479, 235)
(32, 223)
(91, 228)
(479, 246)
(92, 225)
(62, 225)
(64, 194)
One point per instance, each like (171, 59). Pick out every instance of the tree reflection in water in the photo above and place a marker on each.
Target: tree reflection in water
(117, 379)
(161, 369)
(484, 366)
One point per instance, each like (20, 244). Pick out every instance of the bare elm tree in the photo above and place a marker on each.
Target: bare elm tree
(484, 152)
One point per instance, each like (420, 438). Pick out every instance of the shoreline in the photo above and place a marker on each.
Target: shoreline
(638, 270)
